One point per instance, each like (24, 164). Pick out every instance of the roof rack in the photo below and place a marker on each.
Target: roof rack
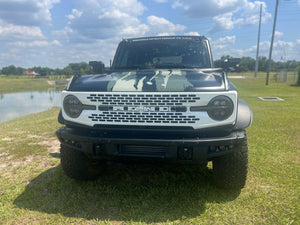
(164, 38)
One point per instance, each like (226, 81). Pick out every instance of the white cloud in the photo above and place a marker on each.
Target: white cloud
(43, 43)
(226, 40)
(11, 30)
(26, 12)
(278, 34)
(250, 14)
(161, 26)
(75, 14)
(164, 1)
(222, 22)
(223, 42)
(193, 33)
(209, 8)
(96, 20)
(281, 49)
(104, 20)
(226, 13)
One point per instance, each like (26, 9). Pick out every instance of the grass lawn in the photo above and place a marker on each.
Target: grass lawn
(10, 84)
(34, 189)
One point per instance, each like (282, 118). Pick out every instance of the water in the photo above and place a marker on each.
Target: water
(14, 105)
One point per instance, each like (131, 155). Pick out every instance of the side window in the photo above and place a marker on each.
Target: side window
(123, 58)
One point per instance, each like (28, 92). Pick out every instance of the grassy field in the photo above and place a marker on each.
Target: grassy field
(10, 84)
(34, 189)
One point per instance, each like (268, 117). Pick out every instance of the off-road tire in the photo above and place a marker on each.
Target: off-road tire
(76, 164)
(230, 171)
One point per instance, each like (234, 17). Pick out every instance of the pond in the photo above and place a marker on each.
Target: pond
(14, 105)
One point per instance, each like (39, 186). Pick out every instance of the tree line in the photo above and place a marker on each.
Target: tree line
(246, 64)
(73, 68)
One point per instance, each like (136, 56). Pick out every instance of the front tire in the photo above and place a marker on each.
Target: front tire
(230, 171)
(76, 164)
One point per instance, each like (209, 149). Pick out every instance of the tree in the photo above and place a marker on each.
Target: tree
(12, 70)
(78, 68)
(262, 63)
(246, 64)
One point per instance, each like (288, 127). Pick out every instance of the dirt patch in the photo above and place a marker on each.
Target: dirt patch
(51, 144)
(7, 162)
(7, 139)
(35, 136)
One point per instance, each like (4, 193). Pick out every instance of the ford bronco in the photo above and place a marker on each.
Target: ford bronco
(160, 101)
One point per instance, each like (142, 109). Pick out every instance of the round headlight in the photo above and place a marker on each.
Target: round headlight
(220, 108)
(72, 106)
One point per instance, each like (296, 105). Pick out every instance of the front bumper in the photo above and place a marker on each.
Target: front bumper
(175, 150)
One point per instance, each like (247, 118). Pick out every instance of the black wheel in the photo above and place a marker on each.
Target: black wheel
(230, 171)
(76, 164)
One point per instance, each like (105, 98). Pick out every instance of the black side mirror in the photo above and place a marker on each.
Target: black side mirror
(97, 66)
(231, 64)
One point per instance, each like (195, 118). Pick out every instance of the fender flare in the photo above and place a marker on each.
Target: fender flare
(244, 116)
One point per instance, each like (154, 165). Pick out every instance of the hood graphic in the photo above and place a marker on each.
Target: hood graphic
(150, 81)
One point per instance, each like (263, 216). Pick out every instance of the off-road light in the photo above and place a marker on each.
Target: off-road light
(72, 106)
(220, 108)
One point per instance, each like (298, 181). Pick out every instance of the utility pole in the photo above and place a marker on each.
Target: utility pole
(272, 40)
(258, 40)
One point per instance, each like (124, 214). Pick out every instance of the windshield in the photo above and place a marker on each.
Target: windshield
(163, 53)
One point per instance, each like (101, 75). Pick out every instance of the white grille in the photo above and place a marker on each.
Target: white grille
(148, 109)
(153, 101)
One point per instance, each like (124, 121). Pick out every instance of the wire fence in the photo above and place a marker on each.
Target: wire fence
(284, 76)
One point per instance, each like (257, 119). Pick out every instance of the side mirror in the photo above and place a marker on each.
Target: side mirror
(97, 66)
(231, 64)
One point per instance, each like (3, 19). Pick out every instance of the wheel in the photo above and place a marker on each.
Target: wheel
(76, 164)
(230, 171)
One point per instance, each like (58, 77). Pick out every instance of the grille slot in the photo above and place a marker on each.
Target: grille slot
(144, 117)
(143, 99)
(137, 150)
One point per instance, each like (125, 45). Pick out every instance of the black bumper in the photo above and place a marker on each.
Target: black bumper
(177, 150)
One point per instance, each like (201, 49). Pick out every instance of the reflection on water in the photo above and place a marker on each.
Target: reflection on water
(14, 105)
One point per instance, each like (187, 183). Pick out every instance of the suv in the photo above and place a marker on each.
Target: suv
(161, 101)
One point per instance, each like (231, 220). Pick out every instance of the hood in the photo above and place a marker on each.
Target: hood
(161, 80)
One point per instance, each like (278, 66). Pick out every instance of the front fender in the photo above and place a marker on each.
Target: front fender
(244, 116)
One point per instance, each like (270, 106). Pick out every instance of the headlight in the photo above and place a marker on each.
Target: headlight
(72, 106)
(220, 108)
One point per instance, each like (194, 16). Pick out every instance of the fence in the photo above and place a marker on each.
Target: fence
(284, 76)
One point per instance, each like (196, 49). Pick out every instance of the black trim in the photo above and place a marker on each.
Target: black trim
(189, 150)
(60, 118)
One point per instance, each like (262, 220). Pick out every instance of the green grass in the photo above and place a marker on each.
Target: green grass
(34, 189)
(11, 84)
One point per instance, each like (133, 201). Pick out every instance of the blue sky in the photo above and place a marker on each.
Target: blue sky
(54, 33)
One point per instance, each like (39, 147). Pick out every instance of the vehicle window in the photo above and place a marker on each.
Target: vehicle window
(163, 54)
